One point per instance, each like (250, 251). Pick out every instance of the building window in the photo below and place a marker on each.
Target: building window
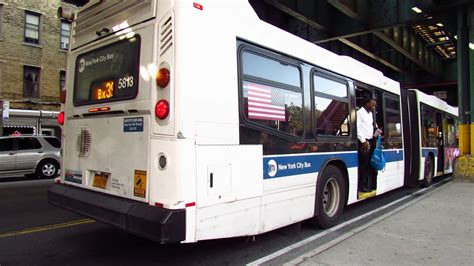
(31, 81)
(65, 30)
(32, 28)
(1, 21)
(62, 80)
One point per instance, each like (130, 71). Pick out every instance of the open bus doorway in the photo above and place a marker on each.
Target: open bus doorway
(367, 178)
(440, 142)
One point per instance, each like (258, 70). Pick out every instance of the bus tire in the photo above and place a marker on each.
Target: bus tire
(330, 197)
(428, 172)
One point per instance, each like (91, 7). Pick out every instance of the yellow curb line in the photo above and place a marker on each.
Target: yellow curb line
(46, 228)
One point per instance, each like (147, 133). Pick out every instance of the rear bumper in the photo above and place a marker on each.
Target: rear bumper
(157, 224)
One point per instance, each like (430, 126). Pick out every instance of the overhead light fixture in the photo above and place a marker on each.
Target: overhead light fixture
(439, 24)
(416, 9)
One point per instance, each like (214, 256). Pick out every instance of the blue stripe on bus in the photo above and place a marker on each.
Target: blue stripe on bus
(425, 151)
(281, 166)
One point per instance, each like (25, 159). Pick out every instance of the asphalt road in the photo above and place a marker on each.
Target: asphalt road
(32, 232)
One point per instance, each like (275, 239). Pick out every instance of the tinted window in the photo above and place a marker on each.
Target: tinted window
(54, 142)
(394, 129)
(6, 144)
(451, 134)
(108, 74)
(331, 87)
(28, 144)
(392, 104)
(269, 69)
(273, 107)
(332, 117)
(331, 107)
(429, 129)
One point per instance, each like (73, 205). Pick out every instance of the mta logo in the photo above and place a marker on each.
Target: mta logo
(272, 168)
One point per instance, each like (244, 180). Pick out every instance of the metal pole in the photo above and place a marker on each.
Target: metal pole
(463, 82)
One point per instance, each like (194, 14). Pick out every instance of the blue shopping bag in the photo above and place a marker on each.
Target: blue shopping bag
(378, 160)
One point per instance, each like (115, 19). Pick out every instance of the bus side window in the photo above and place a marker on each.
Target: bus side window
(331, 106)
(271, 94)
(379, 117)
(393, 128)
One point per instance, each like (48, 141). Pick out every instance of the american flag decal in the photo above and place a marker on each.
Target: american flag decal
(263, 105)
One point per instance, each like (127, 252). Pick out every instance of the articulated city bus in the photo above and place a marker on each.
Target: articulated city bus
(430, 136)
(187, 121)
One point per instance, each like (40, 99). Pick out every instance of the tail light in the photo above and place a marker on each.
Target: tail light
(162, 109)
(61, 118)
(163, 77)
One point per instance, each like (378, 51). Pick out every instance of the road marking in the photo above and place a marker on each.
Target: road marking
(46, 228)
(337, 227)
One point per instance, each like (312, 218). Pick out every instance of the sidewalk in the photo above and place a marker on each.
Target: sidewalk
(436, 230)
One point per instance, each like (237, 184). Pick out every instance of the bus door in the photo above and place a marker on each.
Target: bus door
(362, 92)
(440, 142)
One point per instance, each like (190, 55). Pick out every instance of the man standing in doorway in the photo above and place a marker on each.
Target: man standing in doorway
(365, 135)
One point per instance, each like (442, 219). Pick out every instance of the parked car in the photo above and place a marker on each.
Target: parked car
(27, 155)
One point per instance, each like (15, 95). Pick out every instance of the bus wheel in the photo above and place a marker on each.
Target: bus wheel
(330, 195)
(428, 173)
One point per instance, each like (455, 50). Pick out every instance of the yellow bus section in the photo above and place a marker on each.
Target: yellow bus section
(464, 166)
(139, 183)
(366, 195)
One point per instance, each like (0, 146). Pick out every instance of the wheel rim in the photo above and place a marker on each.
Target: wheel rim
(331, 195)
(48, 169)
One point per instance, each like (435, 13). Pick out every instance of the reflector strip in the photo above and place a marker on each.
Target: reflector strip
(160, 205)
(191, 204)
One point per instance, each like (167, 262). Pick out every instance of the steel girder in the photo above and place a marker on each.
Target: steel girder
(348, 21)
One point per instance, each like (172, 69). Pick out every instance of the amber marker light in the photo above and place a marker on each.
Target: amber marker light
(162, 77)
(100, 109)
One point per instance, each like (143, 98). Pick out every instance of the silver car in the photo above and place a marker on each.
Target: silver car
(27, 154)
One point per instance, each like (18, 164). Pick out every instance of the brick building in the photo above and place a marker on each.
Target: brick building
(33, 50)
(33, 45)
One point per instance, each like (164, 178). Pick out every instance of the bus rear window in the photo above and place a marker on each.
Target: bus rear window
(108, 74)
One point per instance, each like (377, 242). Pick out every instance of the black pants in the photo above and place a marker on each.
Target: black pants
(367, 173)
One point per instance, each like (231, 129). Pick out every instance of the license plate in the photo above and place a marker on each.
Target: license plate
(100, 181)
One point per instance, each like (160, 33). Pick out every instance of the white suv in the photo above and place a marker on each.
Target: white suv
(25, 155)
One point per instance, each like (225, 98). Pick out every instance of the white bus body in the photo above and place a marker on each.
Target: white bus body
(212, 186)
